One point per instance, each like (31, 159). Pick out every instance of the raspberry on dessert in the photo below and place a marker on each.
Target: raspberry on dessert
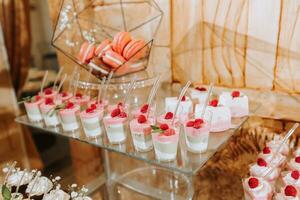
(199, 120)
(123, 115)
(164, 127)
(89, 110)
(190, 123)
(202, 89)
(69, 105)
(49, 101)
(37, 98)
(183, 98)
(261, 162)
(93, 106)
(197, 125)
(169, 132)
(48, 91)
(142, 119)
(297, 159)
(115, 112)
(290, 190)
(169, 115)
(266, 150)
(214, 103)
(235, 94)
(64, 94)
(295, 174)
(78, 95)
(253, 182)
(144, 108)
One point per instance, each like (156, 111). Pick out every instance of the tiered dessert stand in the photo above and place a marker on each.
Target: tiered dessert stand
(141, 173)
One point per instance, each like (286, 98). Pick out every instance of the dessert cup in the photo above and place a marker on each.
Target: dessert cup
(165, 144)
(221, 117)
(37, 188)
(294, 163)
(15, 178)
(261, 169)
(32, 108)
(64, 96)
(196, 133)
(143, 111)
(289, 192)
(80, 99)
(49, 113)
(185, 108)
(237, 103)
(269, 156)
(116, 126)
(167, 118)
(199, 93)
(56, 194)
(256, 188)
(90, 119)
(274, 144)
(68, 117)
(291, 178)
(48, 93)
(141, 133)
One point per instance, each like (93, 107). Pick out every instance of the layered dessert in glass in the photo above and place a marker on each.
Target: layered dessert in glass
(196, 133)
(291, 178)
(32, 108)
(237, 102)
(167, 118)
(289, 192)
(256, 188)
(90, 119)
(277, 160)
(49, 113)
(115, 124)
(140, 129)
(68, 116)
(49, 93)
(220, 115)
(165, 140)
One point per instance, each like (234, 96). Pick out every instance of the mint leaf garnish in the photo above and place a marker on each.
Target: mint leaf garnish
(6, 194)
(156, 129)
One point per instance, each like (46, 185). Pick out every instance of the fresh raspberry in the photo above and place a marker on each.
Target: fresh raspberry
(64, 94)
(115, 112)
(253, 182)
(78, 95)
(266, 150)
(37, 98)
(183, 98)
(214, 103)
(197, 125)
(144, 108)
(48, 91)
(169, 132)
(93, 106)
(199, 120)
(190, 123)
(69, 105)
(202, 89)
(164, 127)
(123, 115)
(142, 119)
(261, 162)
(297, 159)
(235, 94)
(169, 115)
(295, 174)
(89, 110)
(49, 101)
(290, 190)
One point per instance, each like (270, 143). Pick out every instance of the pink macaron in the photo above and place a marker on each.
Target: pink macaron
(104, 46)
(135, 50)
(113, 59)
(86, 52)
(120, 41)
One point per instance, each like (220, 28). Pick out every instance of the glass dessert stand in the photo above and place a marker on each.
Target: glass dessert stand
(141, 173)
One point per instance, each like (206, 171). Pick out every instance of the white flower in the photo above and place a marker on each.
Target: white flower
(74, 185)
(74, 194)
(58, 178)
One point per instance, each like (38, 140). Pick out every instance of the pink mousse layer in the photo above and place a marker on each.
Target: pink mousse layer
(141, 127)
(136, 113)
(114, 120)
(163, 138)
(110, 108)
(101, 105)
(70, 111)
(161, 120)
(52, 95)
(65, 98)
(196, 132)
(80, 101)
(95, 113)
(33, 104)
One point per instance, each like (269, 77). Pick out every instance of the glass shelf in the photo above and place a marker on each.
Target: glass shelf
(188, 163)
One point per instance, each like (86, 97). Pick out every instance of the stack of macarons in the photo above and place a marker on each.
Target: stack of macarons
(119, 54)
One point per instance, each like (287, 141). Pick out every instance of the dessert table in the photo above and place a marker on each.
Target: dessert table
(152, 178)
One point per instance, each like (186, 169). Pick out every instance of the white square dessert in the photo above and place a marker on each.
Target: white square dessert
(237, 102)
(185, 107)
(199, 93)
(221, 116)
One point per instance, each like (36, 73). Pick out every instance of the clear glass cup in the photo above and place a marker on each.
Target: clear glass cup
(116, 128)
(91, 122)
(69, 118)
(33, 110)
